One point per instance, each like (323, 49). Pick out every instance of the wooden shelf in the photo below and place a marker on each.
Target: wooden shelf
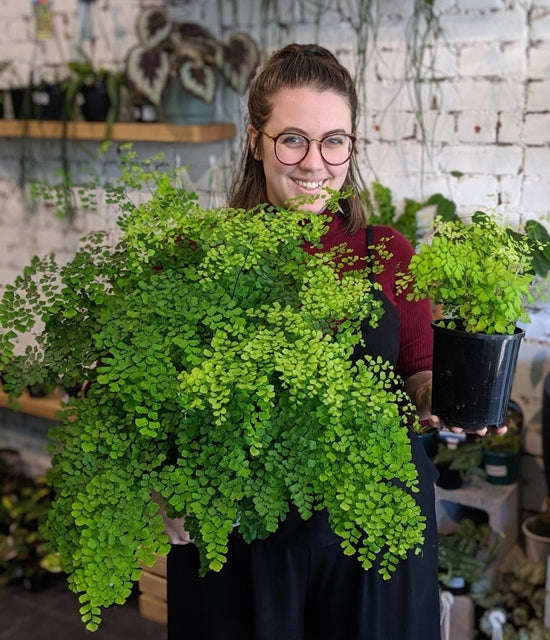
(46, 407)
(121, 131)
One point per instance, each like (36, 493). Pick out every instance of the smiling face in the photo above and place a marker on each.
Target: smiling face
(314, 114)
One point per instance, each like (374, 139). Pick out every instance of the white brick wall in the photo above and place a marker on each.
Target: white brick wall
(488, 115)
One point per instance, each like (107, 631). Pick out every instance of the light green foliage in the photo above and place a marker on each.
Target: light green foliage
(481, 272)
(218, 356)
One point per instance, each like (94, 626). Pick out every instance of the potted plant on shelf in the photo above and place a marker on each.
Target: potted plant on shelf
(97, 88)
(465, 553)
(176, 65)
(501, 453)
(481, 272)
(215, 378)
(457, 458)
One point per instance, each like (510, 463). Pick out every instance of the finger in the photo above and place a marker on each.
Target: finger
(498, 431)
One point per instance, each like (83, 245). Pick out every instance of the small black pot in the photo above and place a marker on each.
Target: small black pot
(96, 102)
(448, 478)
(472, 376)
(42, 102)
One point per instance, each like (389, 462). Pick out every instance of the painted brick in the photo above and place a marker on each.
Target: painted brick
(473, 192)
(394, 125)
(440, 127)
(510, 127)
(536, 196)
(490, 26)
(399, 159)
(539, 59)
(492, 59)
(480, 126)
(486, 160)
(537, 162)
(540, 26)
(15, 29)
(382, 93)
(480, 5)
(537, 128)
(509, 193)
(471, 95)
(538, 96)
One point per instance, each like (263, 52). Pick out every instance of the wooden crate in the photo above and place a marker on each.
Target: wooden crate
(153, 592)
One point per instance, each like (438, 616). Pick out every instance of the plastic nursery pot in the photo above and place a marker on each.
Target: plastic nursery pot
(96, 102)
(429, 441)
(501, 467)
(536, 531)
(43, 102)
(472, 376)
(449, 479)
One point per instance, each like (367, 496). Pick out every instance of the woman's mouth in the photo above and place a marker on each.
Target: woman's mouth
(310, 185)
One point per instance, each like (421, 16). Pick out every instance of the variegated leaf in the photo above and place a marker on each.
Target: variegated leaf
(148, 71)
(153, 26)
(199, 79)
(241, 58)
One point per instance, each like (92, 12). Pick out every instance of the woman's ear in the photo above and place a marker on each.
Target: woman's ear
(254, 139)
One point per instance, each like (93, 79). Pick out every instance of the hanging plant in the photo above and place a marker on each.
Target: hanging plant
(216, 355)
(189, 52)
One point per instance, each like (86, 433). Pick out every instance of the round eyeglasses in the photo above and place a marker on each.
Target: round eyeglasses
(291, 148)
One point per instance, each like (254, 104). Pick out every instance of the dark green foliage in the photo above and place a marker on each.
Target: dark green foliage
(467, 551)
(217, 378)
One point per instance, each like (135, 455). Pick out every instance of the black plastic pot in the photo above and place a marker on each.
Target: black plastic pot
(472, 376)
(96, 102)
(43, 102)
(448, 478)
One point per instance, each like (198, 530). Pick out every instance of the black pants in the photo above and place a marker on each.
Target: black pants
(271, 592)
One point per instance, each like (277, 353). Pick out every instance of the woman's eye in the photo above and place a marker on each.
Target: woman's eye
(334, 141)
(293, 140)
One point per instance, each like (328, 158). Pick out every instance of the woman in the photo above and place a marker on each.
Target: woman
(297, 584)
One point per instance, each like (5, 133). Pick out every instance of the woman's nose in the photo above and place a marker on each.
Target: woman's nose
(313, 157)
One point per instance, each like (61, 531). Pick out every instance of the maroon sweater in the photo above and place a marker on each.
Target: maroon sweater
(415, 333)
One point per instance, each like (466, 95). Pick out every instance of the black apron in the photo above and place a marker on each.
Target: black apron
(298, 585)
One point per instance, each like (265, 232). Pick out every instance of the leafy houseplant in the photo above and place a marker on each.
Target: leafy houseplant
(23, 553)
(481, 273)
(99, 89)
(215, 378)
(188, 52)
(467, 552)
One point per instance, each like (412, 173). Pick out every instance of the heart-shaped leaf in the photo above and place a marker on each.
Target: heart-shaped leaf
(241, 58)
(147, 71)
(153, 26)
(191, 39)
(199, 79)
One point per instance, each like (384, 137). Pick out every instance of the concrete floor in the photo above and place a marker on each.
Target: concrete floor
(53, 614)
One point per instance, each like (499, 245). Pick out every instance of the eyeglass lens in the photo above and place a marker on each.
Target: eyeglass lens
(292, 148)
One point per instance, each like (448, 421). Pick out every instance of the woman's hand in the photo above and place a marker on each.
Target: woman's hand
(434, 421)
(174, 527)
(419, 388)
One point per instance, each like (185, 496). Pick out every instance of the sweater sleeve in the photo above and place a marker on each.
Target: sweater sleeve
(415, 332)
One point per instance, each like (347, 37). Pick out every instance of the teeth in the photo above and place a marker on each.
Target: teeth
(308, 185)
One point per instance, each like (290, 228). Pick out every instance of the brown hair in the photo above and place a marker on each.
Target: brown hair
(296, 65)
